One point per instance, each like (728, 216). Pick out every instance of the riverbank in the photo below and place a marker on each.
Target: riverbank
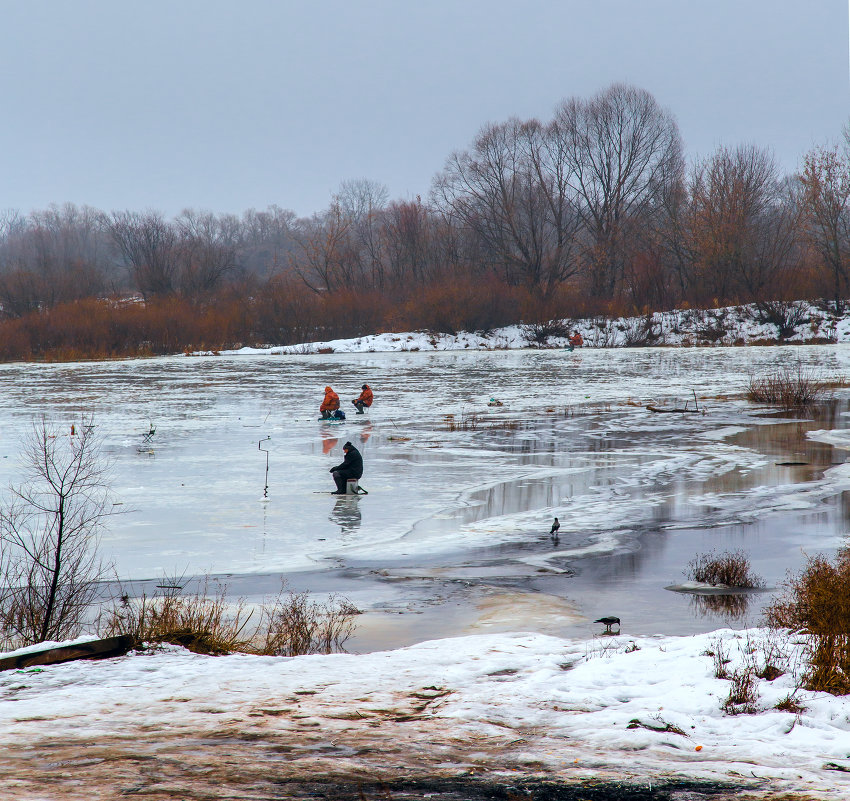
(776, 323)
(478, 713)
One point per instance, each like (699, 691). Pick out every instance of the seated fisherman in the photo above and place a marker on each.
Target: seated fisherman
(330, 404)
(364, 400)
(351, 467)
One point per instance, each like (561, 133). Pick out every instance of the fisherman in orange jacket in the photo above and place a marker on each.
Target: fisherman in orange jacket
(330, 404)
(365, 399)
(576, 340)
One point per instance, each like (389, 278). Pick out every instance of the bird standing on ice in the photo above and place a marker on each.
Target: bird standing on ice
(555, 526)
(609, 621)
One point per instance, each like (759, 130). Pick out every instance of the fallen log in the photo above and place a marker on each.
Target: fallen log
(93, 649)
(670, 411)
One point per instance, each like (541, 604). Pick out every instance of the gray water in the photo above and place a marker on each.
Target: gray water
(453, 535)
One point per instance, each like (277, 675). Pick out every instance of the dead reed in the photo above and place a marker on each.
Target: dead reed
(743, 694)
(294, 624)
(789, 387)
(206, 622)
(790, 704)
(730, 568)
(468, 421)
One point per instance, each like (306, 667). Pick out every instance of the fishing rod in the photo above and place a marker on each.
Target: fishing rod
(265, 451)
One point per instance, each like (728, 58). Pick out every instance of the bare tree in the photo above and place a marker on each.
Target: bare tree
(741, 224)
(267, 240)
(52, 256)
(49, 535)
(146, 242)
(625, 154)
(410, 241)
(324, 259)
(362, 202)
(512, 190)
(361, 197)
(206, 252)
(826, 198)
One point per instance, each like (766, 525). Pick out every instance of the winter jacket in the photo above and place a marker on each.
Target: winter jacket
(576, 340)
(331, 401)
(352, 464)
(366, 397)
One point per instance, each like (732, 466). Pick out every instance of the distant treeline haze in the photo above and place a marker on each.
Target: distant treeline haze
(595, 211)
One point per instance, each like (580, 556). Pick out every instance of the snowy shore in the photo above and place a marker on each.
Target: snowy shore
(495, 707)
(799, 322)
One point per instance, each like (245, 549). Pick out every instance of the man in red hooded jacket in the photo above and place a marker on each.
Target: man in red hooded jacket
(330, 404)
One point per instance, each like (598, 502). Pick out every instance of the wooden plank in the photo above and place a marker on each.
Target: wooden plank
(94, 649)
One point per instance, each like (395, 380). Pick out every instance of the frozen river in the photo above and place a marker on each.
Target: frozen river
(453, 536)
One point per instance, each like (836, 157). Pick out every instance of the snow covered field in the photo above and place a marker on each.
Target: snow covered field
(452, 538)
(491, 708)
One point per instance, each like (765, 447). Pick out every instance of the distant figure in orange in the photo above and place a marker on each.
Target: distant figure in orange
(364, 400)
(576, 340)
(330, 404)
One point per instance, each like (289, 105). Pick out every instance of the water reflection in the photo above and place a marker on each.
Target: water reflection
(730, 607)
(597, 462)
(346, 513)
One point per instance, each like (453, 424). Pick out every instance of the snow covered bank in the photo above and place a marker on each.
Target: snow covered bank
(640, 710)
(776, 323)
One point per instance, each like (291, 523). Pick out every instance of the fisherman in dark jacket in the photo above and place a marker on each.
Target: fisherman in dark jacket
(351, 467)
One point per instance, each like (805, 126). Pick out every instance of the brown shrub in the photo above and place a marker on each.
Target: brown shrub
(287, 625)
(293, 624)
(816, 603)
(730, 568)
(788, 388)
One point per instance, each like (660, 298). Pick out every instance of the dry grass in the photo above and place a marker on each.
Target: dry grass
(293, 624)
(789, 388)
(743, 694)
(719, 654)
(790, 704)
(206, 622)
(540, 333)
(505, 425)
(467, 422)
(816, 603)
(202, 622)
(730, 568)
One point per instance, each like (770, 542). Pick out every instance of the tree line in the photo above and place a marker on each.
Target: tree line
(594, 211)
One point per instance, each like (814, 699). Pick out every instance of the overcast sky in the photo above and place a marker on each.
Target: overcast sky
(232, 104)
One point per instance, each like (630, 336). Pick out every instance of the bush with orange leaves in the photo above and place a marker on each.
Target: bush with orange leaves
(816, 603)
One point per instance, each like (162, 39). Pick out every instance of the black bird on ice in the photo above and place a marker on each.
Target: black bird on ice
(555, 526)
(609, 621)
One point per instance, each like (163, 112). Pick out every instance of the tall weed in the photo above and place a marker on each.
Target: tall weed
(205, 621)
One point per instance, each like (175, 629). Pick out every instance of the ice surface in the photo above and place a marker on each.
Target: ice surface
(580, 449)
